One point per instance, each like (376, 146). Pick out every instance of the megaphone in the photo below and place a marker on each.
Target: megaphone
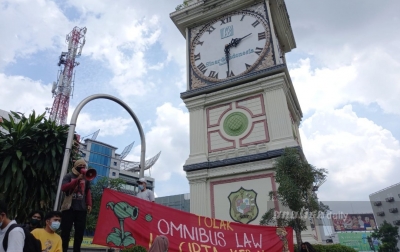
(89, 174)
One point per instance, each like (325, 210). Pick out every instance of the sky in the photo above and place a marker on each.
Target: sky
(345, 70)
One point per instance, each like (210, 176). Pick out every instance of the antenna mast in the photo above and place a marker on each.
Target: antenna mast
(62, 89)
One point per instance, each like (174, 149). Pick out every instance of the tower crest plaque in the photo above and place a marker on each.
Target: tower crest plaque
(243, 205)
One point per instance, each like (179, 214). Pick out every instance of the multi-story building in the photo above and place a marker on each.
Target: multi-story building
(131, 178)
(103, 157)
(3, 114)
(180, 201)
(386, 205)
(6, 115)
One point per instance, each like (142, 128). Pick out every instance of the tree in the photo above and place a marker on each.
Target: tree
(388, 235)
(296, 179)
(97, 192)
(31, 156)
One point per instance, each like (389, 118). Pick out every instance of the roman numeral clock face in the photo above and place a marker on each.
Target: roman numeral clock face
(230, 46)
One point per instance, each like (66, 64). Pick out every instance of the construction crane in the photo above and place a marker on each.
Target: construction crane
(63, 88)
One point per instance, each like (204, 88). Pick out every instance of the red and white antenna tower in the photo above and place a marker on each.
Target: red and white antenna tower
(62, 89)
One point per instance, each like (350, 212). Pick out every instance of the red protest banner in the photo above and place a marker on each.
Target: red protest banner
(125, 221)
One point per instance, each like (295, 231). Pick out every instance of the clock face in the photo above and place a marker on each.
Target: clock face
(243, 35)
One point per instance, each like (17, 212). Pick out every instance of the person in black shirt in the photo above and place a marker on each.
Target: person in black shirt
(34, 220)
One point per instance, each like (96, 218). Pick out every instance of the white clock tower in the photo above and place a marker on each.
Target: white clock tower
(243, 107)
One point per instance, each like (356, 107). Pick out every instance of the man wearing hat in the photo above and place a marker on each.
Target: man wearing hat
(144, 193)
(75, 183)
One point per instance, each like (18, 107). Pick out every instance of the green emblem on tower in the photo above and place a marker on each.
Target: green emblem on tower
(235, 124)
(243, 207)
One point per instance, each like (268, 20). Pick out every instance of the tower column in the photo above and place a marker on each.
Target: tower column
(276, 103)
(198, 138)
(199, 192)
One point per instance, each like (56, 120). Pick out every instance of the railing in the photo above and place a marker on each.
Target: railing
(377, 203)
(385, 189)
(380, 213)
(389, 199)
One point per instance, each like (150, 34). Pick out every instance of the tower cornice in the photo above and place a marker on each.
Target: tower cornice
(201, 11)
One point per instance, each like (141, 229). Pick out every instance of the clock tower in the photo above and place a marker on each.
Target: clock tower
(243, 107)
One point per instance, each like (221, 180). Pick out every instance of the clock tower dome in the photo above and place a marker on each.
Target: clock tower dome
(243, 107)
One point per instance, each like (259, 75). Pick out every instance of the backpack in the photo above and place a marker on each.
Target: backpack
(31, 244)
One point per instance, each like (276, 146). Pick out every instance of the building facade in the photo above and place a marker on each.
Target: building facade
(386, 206)
(104, 159)
(179, 202)
(6, 115)
(3, 114)
(242, 105)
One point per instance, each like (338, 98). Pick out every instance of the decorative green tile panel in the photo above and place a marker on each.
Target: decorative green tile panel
(235, 124)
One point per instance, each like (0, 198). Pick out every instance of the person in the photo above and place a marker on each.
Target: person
(34, 220)
(144, 193)
(375, 243)
(75, 183)
(16, 237)
(360, 222)
(50, 240)
(307, 247)
(160, 244)
(356, 224)
(367, 223)
(347, 222)
(372, 222)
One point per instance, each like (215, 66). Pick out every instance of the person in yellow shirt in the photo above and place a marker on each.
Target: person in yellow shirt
(51, 241)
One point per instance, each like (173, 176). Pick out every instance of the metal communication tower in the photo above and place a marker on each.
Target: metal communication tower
(62, 89)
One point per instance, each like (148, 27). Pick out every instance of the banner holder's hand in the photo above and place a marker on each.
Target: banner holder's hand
(89, 209)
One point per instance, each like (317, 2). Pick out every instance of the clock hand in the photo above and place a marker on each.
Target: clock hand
(235, 42)
(226, 50)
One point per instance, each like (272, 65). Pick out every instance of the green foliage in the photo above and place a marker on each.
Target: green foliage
(137, 248)
(97, 191)
(31, 156)
(270, 219)
(331, 248)
(181, 6)
(296, 179)
(388, 236)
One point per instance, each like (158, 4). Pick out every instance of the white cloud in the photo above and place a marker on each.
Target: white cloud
(170, 135)
(361, 81)
(321, 88)
(108, 127)
(120, 35)
(361, 156)
(334, 41)
(345, 61)
(22, 94)
(378, 80)
(27, 26)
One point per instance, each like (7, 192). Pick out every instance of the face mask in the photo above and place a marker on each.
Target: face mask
(55, 225)
(35, 222)
(141, 187)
